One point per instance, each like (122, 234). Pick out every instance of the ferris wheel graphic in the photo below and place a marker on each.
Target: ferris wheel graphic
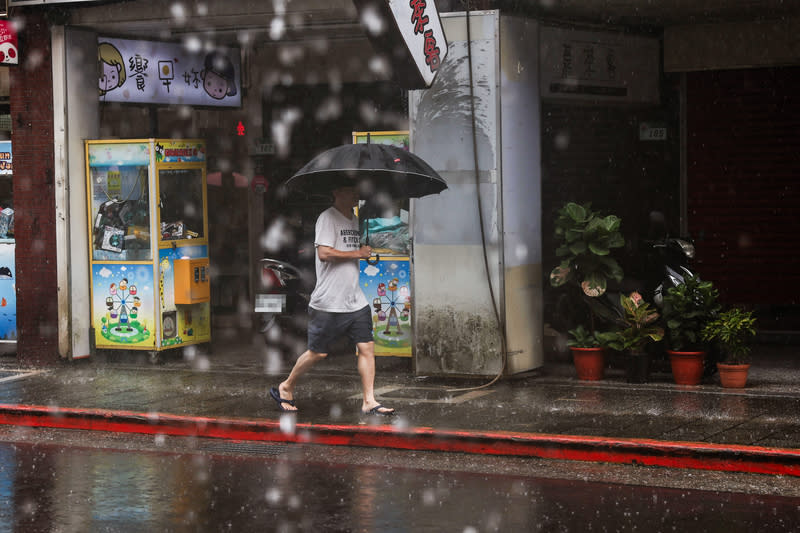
(392, 305)
(122, 306)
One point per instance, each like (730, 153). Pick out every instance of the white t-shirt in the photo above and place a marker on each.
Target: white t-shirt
(337, 289)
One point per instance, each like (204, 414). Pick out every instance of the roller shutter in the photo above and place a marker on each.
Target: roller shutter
(743, 167)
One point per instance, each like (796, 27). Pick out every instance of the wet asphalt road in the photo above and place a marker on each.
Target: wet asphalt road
(81, 481)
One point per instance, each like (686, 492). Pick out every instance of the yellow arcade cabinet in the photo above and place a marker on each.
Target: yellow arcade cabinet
(148, 235)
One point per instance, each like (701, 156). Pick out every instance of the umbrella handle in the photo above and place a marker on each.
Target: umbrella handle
(375, 261)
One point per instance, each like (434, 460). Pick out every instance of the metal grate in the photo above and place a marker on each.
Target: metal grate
(244, 448)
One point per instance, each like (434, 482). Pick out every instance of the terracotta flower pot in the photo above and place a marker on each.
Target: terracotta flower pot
(687, 367)
(589, 363)
(733, 376)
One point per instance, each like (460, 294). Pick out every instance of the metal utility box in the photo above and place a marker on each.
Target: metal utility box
(148, 243)
(456, 326)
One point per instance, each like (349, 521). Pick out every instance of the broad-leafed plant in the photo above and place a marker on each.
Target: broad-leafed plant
(586, 240)
(640, 326)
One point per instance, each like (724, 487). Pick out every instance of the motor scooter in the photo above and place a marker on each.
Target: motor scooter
(282, 300)
(667, 264)
(663, 262)
(671, 267)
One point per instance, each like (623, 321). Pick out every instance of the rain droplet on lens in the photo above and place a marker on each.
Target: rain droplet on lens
(273, 496)
(288, 423)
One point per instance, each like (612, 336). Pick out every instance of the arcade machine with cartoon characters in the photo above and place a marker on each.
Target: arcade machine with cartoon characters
(387, 282)
(148, 235)
(8, 293)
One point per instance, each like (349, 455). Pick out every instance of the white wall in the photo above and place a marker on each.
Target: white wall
(75, 111)
(521, 192)
(456, 331)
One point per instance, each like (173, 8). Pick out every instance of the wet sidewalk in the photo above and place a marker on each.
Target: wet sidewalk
(545, 413)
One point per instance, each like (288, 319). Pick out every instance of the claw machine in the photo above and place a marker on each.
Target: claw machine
(148, 235)
(8, 293)
(386, 280)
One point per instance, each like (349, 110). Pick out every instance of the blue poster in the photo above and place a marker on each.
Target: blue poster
(387, 286)
(8, 293)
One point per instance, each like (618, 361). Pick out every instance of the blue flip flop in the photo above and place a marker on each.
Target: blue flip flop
(276, 395)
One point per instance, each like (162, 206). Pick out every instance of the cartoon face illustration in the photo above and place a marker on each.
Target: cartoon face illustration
(110, 68)
(133, 290)
(393, 284)
(137, 302)
(8, 53)
(219, 76)
(215, 85)
(123, 285)
(112, 290)
(381, 289)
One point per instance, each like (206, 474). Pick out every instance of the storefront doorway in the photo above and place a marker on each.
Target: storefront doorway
(295, 120)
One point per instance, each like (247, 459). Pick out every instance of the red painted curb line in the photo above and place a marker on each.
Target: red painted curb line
(674, 454)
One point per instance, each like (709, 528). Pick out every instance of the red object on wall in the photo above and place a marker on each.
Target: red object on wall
(9, 53)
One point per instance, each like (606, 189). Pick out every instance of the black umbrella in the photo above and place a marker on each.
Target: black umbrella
(374, 167)
(378, 170)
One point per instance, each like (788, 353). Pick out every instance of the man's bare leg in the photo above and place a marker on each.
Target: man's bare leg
(366, 368)
(304, 363)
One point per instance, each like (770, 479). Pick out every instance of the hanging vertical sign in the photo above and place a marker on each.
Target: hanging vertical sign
(9, 55)
(410, 34)
(151, 72)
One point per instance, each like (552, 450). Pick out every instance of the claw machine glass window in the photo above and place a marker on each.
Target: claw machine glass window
(120, 211)
(181, 203)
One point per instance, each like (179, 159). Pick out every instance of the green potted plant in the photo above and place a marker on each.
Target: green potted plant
(588, 354)
(733, 330)
(639, 330)
(586, 240)
(688, 307)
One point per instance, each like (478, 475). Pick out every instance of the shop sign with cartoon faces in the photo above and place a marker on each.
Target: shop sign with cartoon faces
(167, 73)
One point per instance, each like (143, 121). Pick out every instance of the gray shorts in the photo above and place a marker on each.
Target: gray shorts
(325, 327)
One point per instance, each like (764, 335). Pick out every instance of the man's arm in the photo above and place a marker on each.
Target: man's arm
(326, 253)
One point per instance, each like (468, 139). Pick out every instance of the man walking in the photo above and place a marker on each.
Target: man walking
(337, 306)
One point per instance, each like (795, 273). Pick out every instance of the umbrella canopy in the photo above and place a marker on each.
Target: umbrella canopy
(375, 168)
